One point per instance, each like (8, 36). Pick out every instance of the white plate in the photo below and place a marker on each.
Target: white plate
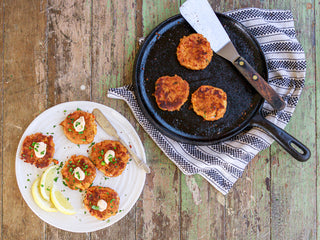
(128, 185)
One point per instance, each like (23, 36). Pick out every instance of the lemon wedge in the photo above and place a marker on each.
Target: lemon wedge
(46, 182)
(43, 204)
(61, 203)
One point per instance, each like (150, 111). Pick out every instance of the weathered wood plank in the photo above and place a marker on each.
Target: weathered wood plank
(1, 107)
(316, 46)
(202, 209)
(69, 64)
(23, 98)
(293, 184)
(158, 208)
(69, 56)
(113, 52)
(248, 202)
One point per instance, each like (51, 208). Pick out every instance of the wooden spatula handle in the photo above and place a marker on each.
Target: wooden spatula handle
(262, 87)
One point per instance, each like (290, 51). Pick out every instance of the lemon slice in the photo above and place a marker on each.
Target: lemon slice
(46, 182)
(43, 204)
(61, 203)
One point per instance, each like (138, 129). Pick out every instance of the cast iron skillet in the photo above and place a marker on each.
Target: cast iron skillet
(157, 57)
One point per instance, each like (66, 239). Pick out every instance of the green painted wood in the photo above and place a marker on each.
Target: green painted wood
(23, 98)
(1, 107)
(293, 184)
(316, 46)
(248, 202)
(202, 209)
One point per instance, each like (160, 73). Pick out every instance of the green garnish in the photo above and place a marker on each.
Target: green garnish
(103, 163)
(95, 207)
(55, 179)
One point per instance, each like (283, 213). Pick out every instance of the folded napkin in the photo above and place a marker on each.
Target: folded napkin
(222, 164)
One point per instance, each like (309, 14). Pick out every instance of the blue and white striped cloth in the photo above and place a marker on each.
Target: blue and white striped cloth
(222, 164)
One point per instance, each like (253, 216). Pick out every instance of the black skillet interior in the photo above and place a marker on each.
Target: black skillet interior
(158, 58)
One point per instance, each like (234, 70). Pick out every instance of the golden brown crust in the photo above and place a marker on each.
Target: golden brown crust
(86, 166)
(209, 102)
(117, 164)
(28, 154)
(171, 92)
(94, 194)
(84, 137)
(194, 52)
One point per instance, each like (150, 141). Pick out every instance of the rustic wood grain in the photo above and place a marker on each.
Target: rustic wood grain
(113, 52)
(248, 202)
(69, 64)
(1, 108)
(22, 100)
(69, 55)
(292, 181)
(316, 47)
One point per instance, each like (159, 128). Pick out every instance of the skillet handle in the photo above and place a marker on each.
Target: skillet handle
(283, 138)
(262, 87)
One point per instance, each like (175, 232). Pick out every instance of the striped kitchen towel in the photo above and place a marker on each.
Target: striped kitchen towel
(222, 164)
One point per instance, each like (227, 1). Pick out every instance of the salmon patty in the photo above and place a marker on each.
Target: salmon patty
(171, 92)
(194, 52)
(80, 127)
(110, 157)
(38, 149)
(78, 172)
(209, 102)
(101, 202)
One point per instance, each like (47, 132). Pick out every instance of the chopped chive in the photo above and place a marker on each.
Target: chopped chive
(78, 109)
(55, 179)
(103, 163)
(95, 207)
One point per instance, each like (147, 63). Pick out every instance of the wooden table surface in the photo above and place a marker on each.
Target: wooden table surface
(55, 51)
